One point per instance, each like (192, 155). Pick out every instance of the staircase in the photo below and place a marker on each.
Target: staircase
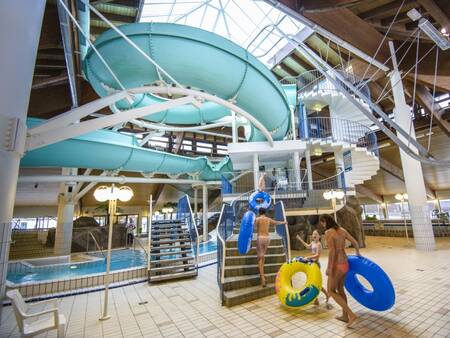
(171, 252)
(242, 282)
(26, 244)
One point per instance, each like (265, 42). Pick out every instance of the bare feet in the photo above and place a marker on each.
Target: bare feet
(263, 281)
(342, 318)
(351, 320)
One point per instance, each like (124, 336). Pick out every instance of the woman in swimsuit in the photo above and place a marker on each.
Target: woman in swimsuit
(316, 250)
(338, 265)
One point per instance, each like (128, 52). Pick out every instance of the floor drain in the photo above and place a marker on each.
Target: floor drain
(143, 303)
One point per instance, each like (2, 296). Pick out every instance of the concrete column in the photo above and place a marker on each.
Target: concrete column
(309, 169)
(195, 202)
(20, 27)
(339, 165)
(205, 212)
(63, 235)
(255, 171)
(66, 208)
(296, 163)
(412, 169)
(234, 131)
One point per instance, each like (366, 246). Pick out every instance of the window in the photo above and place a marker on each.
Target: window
(371, 211)
(241, 21)
(222, 149)
(395, 211)
(204, 147)
(101, 220)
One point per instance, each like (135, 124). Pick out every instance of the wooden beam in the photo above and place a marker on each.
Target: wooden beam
(397, 172)
(436, 12)
(363, 190)
(352, 29)
(359, 68)
(425, 99)
(297, 57)
(323, 5)
(322, 48)
(387, 9)
(442, 81)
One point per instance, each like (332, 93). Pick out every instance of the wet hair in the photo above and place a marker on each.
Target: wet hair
(329, 221)
(262, 211)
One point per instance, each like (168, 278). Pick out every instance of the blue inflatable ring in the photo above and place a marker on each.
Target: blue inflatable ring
(246, 232)
(259, 195)
(383, 295)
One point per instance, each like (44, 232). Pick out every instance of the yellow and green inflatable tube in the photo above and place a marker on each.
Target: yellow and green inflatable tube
(291, 296)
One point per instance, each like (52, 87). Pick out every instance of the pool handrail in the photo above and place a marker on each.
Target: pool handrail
(191, 224)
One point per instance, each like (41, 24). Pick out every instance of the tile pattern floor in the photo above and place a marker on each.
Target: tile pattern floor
(191, 308)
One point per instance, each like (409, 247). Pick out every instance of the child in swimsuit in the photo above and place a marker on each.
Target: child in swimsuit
(263, 224)
(316, 250)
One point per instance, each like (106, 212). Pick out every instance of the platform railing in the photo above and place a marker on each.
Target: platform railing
(184, 213)
(338, 130)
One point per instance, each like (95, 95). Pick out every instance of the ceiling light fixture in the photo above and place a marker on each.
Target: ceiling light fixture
(426, 26)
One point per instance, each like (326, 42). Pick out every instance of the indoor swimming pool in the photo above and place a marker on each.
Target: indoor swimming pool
(20, 272)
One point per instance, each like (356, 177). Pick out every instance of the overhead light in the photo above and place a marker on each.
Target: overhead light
(429, 29)
(278, 67)
(317, 152)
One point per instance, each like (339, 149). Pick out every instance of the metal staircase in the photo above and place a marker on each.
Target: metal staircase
(171, 251)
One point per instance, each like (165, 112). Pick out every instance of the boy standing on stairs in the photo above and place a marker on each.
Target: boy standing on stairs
(262, 242)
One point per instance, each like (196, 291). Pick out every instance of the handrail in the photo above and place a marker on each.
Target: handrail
(194, 224)
(138, 241)
(191, 224)
(286, 230)
(338, 129)
(96, 243)
(223, 247)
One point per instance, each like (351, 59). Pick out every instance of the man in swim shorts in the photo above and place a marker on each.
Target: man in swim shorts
(262, 242)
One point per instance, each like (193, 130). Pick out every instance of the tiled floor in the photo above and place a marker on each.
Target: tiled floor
(191, 308)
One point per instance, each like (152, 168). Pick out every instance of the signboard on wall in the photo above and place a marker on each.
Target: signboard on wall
(347, 156)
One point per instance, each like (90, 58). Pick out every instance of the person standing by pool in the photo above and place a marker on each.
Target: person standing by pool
(263, 223)
(316, 250)
(338, 265)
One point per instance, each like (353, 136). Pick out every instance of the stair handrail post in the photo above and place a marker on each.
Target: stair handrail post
(194, 224)
(149, 230)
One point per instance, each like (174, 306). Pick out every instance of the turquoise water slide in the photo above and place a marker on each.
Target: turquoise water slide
(194, 58)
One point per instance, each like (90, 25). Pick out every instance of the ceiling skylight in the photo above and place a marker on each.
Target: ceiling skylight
(241, 21)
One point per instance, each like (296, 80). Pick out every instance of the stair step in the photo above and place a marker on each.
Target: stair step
(273, 241)
(272, 249)
(166, 247)
(164, 231)
(240, 282)
(240, 270)
(171, 253)
(169, 241)
(170, 236)
(188, 266)
(252, 259)
(171, 260)
(236, 297)
(167, 226)
(177, 275)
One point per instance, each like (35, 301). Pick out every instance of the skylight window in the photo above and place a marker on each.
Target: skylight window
(244, 22)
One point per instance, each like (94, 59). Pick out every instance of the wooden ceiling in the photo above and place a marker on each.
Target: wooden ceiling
(362, 23)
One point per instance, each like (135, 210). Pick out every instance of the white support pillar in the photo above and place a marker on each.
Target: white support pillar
(64, 227)
(309, 169)
(195, 203)
(339, 165)
(255, 171)
(20, 27)
(412, 169)
(66, 208)
(205, 212)
(234, 131)
(298, 178)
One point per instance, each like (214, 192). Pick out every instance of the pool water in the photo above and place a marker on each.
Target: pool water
(120, 259)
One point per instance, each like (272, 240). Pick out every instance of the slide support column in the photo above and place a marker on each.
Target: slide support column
(412, 169)
(20, 28)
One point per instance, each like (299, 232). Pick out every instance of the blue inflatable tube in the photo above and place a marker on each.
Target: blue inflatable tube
(259, 199)
(382, 297)
(246, 232)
